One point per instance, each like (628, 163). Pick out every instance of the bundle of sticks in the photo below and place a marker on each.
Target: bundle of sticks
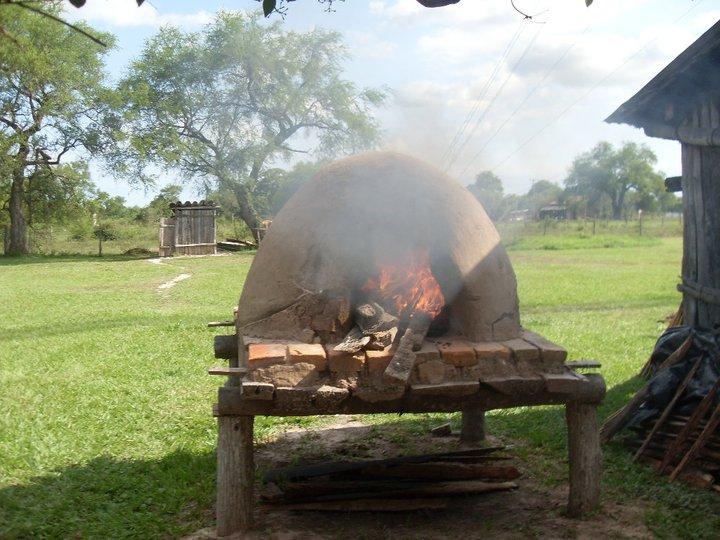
(389, 485)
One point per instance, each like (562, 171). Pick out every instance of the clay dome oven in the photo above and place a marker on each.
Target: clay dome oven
(382, 232)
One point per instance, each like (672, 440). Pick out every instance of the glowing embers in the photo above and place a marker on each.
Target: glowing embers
(407, 287)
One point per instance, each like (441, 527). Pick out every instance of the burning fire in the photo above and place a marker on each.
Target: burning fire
(409, 287)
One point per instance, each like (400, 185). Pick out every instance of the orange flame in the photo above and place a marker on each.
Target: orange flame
(409, 285)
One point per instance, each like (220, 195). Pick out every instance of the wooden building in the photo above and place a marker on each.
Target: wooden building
(682, 103)
(552, 211)
(190, 230)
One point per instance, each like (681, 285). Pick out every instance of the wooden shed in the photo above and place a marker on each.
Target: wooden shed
(682, 103)
(190, 230)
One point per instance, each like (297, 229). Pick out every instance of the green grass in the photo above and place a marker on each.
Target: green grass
(105, 424)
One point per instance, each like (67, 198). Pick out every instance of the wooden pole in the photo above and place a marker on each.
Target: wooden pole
(235, 474)
(473, 425)
(585, 458)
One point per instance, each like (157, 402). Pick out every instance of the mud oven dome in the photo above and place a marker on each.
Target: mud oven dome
(382, 286)
(374, 245)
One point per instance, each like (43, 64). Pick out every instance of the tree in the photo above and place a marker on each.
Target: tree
(160, 205)
(222, 106)
(605, 171)
(488, 189)
(53, 104)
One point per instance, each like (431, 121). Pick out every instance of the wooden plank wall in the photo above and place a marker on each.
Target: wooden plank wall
(195, 231)
(701, 212)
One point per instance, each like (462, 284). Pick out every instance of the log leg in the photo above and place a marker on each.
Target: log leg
(585, 458)
(235, 474)
(473, 425)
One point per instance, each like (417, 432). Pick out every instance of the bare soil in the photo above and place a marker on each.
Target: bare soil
(532, 511)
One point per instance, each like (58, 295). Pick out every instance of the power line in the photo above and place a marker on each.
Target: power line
(447, 155)
(592, 88)
(525, 100)
(494, 98)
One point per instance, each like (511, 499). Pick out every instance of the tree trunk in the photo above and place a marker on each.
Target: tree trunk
(247, 211)
(18, 244)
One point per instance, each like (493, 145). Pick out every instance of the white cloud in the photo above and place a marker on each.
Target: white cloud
(371, 46)
(126, 13)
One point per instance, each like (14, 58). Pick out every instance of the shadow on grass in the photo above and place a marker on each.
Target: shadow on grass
(32, 332)
(21, 260)
(111, 498)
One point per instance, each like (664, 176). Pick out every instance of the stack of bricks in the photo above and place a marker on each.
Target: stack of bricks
(437, 362)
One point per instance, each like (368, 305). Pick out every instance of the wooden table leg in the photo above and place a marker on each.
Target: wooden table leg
(235, 474)
(585, 458)
(473, 425)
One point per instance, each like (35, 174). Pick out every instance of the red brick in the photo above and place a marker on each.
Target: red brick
(428, 351)
(457, 353)
(491, 351)
(340, 361)
(266, 354)
(308, 353)
(377, 361)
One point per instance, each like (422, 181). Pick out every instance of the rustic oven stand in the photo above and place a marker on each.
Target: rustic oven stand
(238, 405)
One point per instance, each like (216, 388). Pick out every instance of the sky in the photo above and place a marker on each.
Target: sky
(473, 86)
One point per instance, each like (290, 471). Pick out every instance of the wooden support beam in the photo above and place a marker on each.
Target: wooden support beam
(585, 458)
(473, 425)
(235, 474)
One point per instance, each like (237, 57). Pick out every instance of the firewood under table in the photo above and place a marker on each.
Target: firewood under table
(581, 396)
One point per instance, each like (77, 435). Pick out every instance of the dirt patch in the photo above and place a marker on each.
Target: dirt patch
(532, 511)
(174, 281)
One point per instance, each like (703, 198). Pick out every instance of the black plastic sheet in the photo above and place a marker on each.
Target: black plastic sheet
(662, 387)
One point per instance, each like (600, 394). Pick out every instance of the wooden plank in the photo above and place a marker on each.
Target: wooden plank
(562, 383)
(583, 364)
(258, 390)
(339, 467)
(590, 389)
(227, 371)
(363, 505)
(444, 471)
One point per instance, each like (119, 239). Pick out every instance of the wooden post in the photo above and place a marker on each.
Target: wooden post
(585, 458)
(235, 474)
(701, 233)
(473, 425)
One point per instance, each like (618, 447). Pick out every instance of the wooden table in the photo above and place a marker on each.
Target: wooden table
(238, 404)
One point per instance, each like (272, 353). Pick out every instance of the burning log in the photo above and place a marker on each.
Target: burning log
(403, 362)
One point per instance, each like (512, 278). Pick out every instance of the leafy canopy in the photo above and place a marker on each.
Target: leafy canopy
(223, 105)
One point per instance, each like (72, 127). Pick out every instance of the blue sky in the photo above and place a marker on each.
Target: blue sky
(545, 104)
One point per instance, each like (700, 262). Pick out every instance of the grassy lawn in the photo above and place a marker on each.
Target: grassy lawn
(105, 408)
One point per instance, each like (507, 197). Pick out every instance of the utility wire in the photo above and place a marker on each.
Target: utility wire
(447, 155)
(494, 98)
(591, 89)
(525, 100)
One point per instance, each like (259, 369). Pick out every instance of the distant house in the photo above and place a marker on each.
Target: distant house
(519, 215)
(552, 211)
